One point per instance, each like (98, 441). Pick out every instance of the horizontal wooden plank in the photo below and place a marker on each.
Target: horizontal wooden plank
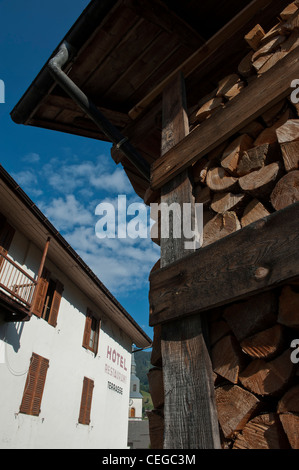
(255, 258)
(257, 97)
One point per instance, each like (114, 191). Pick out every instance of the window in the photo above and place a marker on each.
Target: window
(134, 388)
(34, 386)
(86, 399)
(47, 298)
(6, 235)
(91, 332)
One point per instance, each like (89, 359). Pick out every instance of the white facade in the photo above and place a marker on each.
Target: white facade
(136, 399)
(57, 425)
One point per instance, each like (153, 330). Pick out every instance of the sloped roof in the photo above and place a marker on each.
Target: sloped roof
(125, 49)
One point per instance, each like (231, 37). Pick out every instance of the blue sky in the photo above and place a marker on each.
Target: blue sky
(67, 176)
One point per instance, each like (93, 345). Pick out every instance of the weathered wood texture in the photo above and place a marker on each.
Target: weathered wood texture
(248, 261)
(156, 387)
(261, 94)
(156, 428)
(262, 432)
(235, 407)
(190, 415)
(190, 418)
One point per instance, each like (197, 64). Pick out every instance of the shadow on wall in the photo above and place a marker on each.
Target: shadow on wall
(10, 333)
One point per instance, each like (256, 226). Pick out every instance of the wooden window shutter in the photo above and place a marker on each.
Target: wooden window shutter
(41, 292)
(34, 386)
(87, 329)
(55, 304)
(86, 399)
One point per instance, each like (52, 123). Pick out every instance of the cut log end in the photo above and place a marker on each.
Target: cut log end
(286, 191)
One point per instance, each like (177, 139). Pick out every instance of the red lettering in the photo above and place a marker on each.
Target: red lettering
(116, 357)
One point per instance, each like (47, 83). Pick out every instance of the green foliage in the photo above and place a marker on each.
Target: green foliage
(143, 365)
(147, 404)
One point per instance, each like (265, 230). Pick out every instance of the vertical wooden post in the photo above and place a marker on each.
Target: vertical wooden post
(189, 408)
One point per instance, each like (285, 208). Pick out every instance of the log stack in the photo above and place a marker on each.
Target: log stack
(253, 174)
(256, 171)
(256, 379)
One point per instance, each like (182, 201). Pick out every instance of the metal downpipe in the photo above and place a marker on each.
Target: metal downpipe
(63, 56)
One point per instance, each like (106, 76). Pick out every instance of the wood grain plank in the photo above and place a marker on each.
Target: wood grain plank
(190, 414)
(256, 258)
(124, 54)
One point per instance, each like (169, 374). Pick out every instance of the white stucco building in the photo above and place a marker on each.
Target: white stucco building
(65, 341)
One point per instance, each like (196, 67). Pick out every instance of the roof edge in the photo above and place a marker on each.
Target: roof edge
(83, 28)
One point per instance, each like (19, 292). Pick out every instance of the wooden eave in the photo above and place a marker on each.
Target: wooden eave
(125, 59)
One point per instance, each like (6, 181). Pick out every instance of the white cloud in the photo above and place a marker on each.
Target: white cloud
(123, 265)
(117, 181)
(87, 176)
(26, 178)
(67, 212)
(31, 157)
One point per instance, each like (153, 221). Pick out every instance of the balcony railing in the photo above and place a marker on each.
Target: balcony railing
(15, 282)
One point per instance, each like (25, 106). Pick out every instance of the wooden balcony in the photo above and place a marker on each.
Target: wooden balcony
(16, 289)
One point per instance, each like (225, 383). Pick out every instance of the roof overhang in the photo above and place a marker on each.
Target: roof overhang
(126, 50)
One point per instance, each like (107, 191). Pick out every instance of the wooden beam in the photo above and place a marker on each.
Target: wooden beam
(64, 102)
(260, 95)
(158, 13)
(189, 407)
(255, 258)
(203, 53)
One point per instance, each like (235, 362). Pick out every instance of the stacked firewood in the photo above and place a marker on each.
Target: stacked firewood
(266, 50)
(254, 173)
(248, 177)
(256, 375)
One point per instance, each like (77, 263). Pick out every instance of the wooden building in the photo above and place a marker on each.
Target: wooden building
(196, 98)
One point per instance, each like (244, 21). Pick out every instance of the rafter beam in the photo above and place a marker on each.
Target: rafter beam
(204, 53)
